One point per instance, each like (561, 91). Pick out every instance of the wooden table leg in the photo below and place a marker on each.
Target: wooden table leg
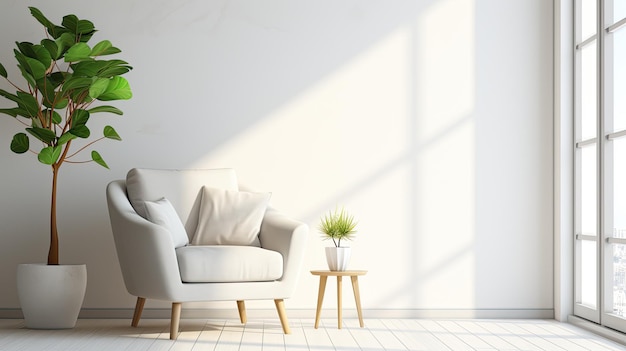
(339, 279)
(320, 299)
(357, 297)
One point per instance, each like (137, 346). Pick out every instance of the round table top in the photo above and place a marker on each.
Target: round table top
(338, 273)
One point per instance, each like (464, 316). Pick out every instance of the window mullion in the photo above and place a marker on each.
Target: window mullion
(600, 156)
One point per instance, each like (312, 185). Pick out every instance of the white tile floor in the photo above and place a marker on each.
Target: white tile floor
(378, 334)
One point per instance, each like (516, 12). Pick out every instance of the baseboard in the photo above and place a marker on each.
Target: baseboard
(164, 313)
(458, 314)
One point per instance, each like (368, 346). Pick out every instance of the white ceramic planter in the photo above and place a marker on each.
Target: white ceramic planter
(51, 296)
(338, 258)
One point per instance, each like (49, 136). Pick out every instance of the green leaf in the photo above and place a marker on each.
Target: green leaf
(100, 68)
(58, 31)
(110, 133)
(80, 118)
(84, 37)
(29, 78)
(104, 48)
(32, 53)
(85, 27)
(26, 48)
(43, 55)
(42, 19)
(58, 78)
(19, 56)
(95, 156)
(49, 155)
(52, 48)
(11, 111)
(98, 87)
(9, 96)
(24, 68)
(61, 104)
(70, 22)
(77, 26)
(110, 109)
(81, 30)
(31, 65)
(88, 68)
(114, 71)
(56, 117)
(28, 103)
(65, 137)
(35, 68)
(78, 125)
(3, 71)
(80, 131)
(78, 52)
(43, 134)
(76, 83)
(64, 42)
(118, 89)
(20, 143)
(21, 110)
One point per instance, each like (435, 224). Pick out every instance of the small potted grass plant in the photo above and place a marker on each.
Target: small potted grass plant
(338, 225)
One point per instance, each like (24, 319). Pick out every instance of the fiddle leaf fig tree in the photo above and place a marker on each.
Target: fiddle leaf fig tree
(64, 77)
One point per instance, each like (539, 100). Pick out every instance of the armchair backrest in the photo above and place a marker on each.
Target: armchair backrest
(181, 187)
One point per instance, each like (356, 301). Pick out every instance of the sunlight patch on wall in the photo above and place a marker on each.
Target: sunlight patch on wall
(445, 164)
(325, 144)
(344, 141)
(390, 134)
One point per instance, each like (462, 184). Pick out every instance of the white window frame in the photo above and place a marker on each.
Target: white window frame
(603, 140)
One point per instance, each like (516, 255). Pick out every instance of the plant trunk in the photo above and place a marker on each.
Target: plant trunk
(53, 254)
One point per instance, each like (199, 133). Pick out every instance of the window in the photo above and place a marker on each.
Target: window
(600, 162)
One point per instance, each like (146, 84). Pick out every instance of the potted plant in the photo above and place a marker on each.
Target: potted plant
(63, 78)
(336, 226)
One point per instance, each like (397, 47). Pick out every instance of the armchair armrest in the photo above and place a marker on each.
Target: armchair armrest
(287, 236)
(145, 250)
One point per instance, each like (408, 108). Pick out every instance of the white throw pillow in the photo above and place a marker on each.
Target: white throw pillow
(162, 212)
(230, 217)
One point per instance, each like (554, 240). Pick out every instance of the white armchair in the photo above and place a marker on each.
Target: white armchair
(156, 264)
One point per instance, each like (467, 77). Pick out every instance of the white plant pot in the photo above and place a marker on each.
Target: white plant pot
(51, 295)
(338, 258)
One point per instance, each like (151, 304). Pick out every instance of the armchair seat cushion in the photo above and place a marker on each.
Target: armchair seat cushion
(225, 263)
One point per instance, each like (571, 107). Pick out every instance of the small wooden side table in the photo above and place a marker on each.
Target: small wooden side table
(354, 276)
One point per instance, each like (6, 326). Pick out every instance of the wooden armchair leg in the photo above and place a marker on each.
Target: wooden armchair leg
(138, 310)
(241, 306)
(280, 307)
(174, 322)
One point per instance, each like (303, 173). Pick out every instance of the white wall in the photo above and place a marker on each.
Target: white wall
(430, 120)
